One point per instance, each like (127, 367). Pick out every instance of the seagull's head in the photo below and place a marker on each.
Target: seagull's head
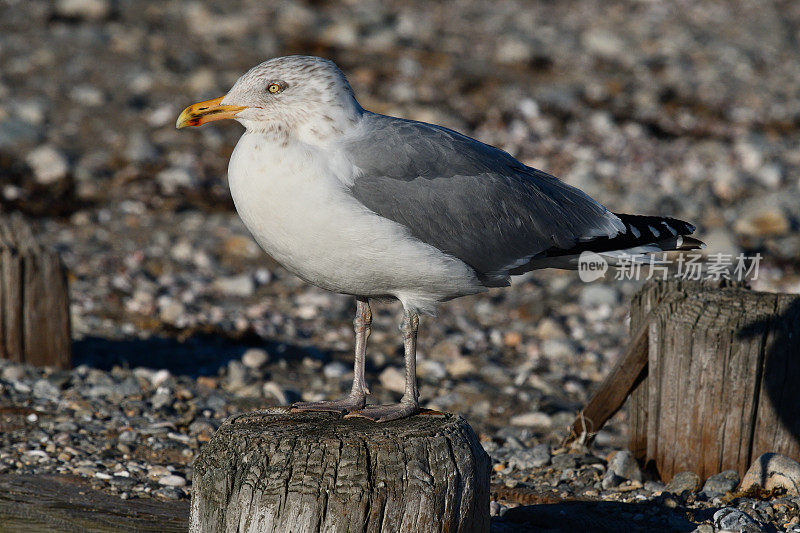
(294, 95)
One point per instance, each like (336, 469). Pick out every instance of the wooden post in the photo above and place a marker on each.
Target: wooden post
(34, 299)
(628, 377)
(722, 373)
(277, 471)
(644, 301)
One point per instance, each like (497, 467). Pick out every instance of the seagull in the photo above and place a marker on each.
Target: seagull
(378, 207)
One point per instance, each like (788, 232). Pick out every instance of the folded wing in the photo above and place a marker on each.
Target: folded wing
(471, 200)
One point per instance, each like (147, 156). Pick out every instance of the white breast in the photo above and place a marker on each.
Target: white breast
(293, 200)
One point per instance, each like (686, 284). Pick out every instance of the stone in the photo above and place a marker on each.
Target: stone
(157, 378)
(172, 481)
(529, 458)
(87, 95)
(334, 370)
(654, 486)
(160, 399)
(139, 148)
(559, 348)
(595, 295)
(13, 373)
(282, 395)
(241, 246)
(602, 42)
(512, 49)
(624, 465)
(170, 310)
(15, 132)
(237, 375)
(720, 484)
(732, 519)
(255, 358)
(241, 285)
(44, 389)
(128, 437)
(49, 165)
(682, 482)
(611, 480)
(773, 471)
(430, 369)
(764, 221)
(393, 379)
(460, 367)
(170, 179)
(84, 9)
(564, 461)
(535, 418)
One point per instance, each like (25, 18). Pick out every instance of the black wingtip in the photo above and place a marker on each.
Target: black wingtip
(690, 243)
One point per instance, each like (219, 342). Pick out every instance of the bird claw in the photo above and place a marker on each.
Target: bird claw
(345, 405)
(385, 413)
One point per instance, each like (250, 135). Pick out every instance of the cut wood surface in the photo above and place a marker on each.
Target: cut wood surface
(50, 504)
(723, 367)
(34, 299)
(276, 471)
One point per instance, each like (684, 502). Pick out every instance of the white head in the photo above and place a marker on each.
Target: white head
(302, 96)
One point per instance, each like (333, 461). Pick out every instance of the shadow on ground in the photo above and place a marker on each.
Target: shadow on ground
(198, 355)
(598, 517)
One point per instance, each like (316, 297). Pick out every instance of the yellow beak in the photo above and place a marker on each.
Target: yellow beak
(208, 111)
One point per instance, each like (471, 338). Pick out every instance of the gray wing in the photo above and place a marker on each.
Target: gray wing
(469, 199)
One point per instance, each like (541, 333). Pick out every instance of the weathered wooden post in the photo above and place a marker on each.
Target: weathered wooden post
(722, 377)
(34, 299)
(277, 471)
(711, 373)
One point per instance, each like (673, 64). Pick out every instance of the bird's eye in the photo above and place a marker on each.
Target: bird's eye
(274, 88)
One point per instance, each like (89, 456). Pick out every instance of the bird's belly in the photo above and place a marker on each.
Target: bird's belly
(301, 214)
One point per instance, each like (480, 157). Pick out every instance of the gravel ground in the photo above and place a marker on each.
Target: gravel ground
(690, 109)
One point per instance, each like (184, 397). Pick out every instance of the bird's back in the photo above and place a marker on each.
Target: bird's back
(471, 200)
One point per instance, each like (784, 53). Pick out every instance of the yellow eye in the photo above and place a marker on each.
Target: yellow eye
(274, 88)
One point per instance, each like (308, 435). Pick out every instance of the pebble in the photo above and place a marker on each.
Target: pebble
(255, 358)
(595, 294)
(237, 375)
(764, 221)
(42, 388)
(87, 9)
(564, 461)
(48, 164)
(242, 285)
(393, 379)
(682, 482)
(531, 419)
(732, 519)
(171, 311)
(171, 179)
(527, 459)
(624, 465)
(773, 471)
(460, 367)
(720, 484)
(273, 390)
(335, 370)
(172, 481)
